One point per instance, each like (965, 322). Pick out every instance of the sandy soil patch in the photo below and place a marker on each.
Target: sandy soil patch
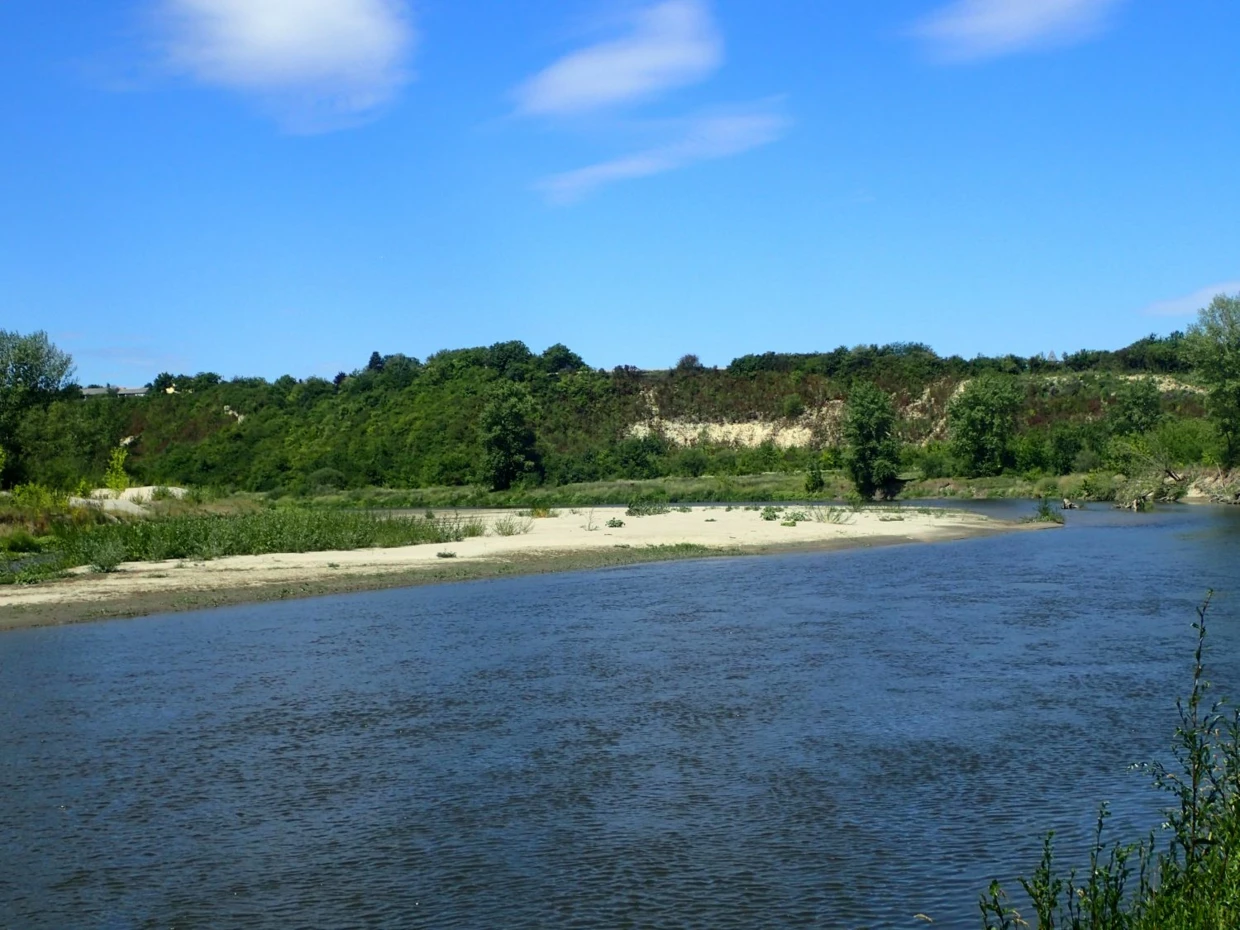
(585, 531)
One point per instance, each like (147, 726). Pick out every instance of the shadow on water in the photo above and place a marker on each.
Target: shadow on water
(810, 740)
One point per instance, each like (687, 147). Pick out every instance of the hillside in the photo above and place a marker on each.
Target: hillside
(403, 423)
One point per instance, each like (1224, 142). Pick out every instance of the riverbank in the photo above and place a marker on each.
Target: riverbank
(567, 541)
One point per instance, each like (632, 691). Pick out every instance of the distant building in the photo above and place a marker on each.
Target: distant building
(118, 391)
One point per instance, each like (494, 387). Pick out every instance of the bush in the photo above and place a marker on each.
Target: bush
(106, 553)
(326, 479)
(646, 508)
(814, 482)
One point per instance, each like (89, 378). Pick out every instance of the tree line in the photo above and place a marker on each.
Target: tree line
(503, 416)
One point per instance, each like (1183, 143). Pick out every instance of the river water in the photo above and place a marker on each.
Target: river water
(840, 739)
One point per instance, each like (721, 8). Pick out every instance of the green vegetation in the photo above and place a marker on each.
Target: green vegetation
(1214, 348)
(115, 479)
(1045, 514)
(1192, 882)
(508, 446)
(501, 425)
(873, 456)
(79, 538)
(982, 421)
(510, 525)
(647, 508)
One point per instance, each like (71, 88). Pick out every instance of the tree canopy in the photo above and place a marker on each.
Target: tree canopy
(873, 455)
(1214, 342)
(982, 422)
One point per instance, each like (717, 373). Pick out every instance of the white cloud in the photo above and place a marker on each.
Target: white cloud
(1190, 303)
(317, 64)
(672, 43)
(699, 138)
(970, 29)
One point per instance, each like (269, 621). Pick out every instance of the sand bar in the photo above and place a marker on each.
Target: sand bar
(571, 540)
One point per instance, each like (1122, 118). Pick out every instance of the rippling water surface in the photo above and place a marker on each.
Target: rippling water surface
(814, 740)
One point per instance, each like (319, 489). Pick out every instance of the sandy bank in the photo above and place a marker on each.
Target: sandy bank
(572, 540)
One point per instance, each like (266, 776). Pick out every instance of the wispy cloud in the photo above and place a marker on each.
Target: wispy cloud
(670, 44)
(315, 64)
(972, 29)
(699, 138)
(1191, 303)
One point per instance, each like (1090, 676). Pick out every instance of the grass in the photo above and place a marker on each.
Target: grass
(773, 487)
(208, 536)
(512, 525)
(1191, 881)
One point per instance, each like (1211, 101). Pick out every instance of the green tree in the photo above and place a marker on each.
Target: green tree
(981, 423)
(506, 430)
(32, 372)
(1137, 407)
(873, 456)
(1214, 346)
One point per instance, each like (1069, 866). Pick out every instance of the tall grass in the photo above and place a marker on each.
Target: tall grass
(211, 536)
(1191, 881)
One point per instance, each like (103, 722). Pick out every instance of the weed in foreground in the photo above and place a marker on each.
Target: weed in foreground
(1193, 883)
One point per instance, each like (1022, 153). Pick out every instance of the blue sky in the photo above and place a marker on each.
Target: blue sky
(257, 187)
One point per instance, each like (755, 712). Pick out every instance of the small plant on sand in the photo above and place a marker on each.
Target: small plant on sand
(445, 554)
(1045, 513)
(512, 525)
(771, 513)
(615, 523)
(539, 513)
(837, 515)
(646, 509)
(683, 509)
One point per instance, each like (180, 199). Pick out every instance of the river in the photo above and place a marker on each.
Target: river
(840, 739)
